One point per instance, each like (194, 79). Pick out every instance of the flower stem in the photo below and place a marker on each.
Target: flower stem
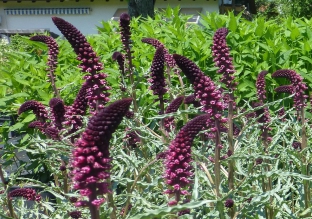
(305, 167)
(10, 206)
(231, 163)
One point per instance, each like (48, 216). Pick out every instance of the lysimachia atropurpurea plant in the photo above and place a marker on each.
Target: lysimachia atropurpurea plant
(138, 177)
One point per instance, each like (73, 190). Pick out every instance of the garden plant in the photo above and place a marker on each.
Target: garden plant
(159, 119)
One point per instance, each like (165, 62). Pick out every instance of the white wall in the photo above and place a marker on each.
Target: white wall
(100, 10)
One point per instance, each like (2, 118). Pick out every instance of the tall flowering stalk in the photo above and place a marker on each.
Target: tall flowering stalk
(178, 172)
(170, 62)
(52, 58)
(157, 78)
(125, 33)
(222, 60)
(298, 88)
(91, 157)
(97, 93)
(210, 98)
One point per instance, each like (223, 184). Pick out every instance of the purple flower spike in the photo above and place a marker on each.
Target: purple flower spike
(117, 56)
(90, 61)
(178, 168)
(299, 87)
(37, 124)
(191, 99)
(91, 159)
(205, 89)
(156, 43)
(52, 133)
(285, 89)
(173, 107)
(38, 109)
(222, 59)
(260, 84)
(53, 52)
(125, 32)
(58, 112)
(27, 193)
(157, 73)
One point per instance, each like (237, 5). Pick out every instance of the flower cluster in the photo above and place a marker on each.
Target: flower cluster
(125, 32)
(89, 60)
(97, 93)
(178, 169)
(91, 159)
(58, 111)
(157, 79)
(260, 85)
(173, 107)
(222, 59)
(156, 43)
(191, 99)
(38, 109)
(298, 87)
(28, 193)
(117, 56)
(53, 52)
(205, 89)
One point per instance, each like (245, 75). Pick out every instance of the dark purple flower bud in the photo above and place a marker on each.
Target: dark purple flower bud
(260, 84)
(132, 139)
(178, 160)
(156, 43)
(117, 56)
(38, 109)
(75, 214)
(58, 112)
(296, 145)
(229, 203)
(222, 59)
(90, 62)
(27, 193)
(173, 107)
(157, 79)
(259, 161)
(91, 159)
(191, 99)
(62, 168)
(73, 199)
(299, 87)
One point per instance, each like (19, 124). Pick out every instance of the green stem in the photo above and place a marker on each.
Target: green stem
(10, 206)
(305, 166)
(231, 163)
(217, 168)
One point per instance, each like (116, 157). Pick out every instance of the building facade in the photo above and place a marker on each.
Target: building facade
(29, 16)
